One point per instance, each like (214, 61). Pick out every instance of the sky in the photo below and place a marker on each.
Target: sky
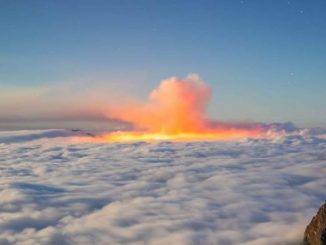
(264, 60)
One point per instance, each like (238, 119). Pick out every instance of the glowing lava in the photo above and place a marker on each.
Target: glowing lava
(176, 111)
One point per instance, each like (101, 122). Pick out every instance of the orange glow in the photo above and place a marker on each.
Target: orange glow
(148, 137)
(176, 111)
(176, 106)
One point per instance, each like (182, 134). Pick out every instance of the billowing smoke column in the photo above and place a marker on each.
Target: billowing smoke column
(177, 105)
(177, 110)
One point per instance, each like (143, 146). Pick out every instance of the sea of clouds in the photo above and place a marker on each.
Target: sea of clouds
(249, 192)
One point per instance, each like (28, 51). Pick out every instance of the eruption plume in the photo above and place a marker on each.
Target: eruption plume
(176, 110)
(176, 106)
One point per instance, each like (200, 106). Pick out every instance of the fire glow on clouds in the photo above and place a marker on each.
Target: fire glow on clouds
(55, 188)
(176, 110)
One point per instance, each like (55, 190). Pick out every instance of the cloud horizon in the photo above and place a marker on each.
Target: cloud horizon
(176, 104)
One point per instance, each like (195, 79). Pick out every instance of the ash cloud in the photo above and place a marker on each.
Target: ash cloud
(62, 106)
(176, 105)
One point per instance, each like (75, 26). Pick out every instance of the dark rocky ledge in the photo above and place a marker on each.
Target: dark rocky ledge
(315, 233)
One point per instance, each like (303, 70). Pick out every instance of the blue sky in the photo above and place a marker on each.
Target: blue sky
(264, 59)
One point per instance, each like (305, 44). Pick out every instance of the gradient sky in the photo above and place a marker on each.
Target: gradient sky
(264, 59)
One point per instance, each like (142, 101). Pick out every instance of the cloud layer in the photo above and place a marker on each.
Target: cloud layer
(256, 192)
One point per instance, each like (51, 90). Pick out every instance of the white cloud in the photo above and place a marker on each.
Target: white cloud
(256, 192)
